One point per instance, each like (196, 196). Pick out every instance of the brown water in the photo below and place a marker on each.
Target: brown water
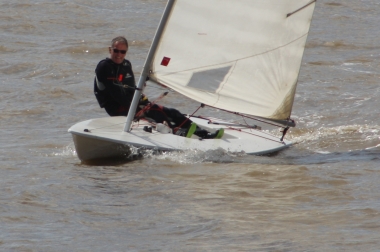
(322, 194)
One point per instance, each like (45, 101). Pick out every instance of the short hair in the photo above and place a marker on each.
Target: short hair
(121, 39)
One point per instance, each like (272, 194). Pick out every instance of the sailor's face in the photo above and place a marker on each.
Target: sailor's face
(118, 52)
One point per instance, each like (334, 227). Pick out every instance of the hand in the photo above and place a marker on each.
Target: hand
(144, 100)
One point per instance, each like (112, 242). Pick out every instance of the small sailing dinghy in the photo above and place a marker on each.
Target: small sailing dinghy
(242, 56)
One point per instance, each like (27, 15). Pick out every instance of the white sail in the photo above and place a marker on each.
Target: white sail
(242, 56)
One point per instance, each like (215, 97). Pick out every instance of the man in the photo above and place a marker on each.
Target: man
(114, 87)
(114, 80)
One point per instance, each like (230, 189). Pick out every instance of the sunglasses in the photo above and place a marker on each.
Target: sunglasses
(119, 51)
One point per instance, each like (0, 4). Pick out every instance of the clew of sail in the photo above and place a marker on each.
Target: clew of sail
(242, 56)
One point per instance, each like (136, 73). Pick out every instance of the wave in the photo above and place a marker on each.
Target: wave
(334, 4)
(337, 138)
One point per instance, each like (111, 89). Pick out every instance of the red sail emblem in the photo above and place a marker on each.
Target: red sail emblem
(165, 61)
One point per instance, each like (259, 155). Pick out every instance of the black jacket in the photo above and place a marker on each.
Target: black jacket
(114, 84)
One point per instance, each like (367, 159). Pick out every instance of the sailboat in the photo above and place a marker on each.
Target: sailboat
(241, 57)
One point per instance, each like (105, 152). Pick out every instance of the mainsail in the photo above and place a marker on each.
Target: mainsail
(242, 56)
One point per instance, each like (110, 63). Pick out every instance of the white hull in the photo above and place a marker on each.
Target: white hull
(104, 138)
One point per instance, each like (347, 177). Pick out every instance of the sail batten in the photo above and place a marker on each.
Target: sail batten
(240, 56)
(303, 7)
(227, 62)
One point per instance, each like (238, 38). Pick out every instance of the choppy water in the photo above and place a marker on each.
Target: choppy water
(320, 195)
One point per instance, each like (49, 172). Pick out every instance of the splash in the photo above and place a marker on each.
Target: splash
(197, 156)
(67, 151)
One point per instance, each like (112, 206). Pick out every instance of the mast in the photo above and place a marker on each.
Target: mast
(145, 71)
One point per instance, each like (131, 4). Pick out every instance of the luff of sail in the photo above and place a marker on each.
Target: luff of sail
(242, 56)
